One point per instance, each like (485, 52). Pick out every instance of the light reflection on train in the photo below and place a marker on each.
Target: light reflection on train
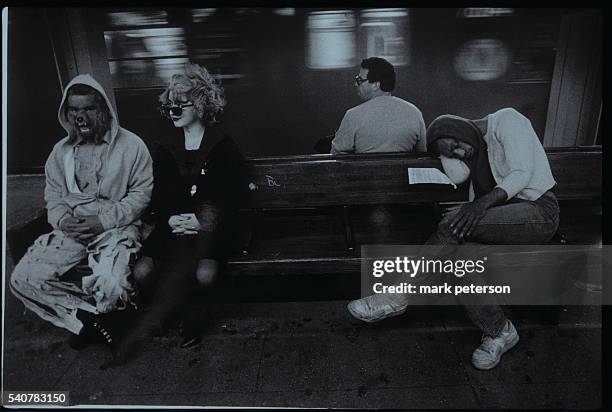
(143, 53)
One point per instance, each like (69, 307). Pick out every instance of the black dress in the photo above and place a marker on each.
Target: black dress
(211, 182)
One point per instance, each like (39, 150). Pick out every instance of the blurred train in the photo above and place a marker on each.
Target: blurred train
(288, 72)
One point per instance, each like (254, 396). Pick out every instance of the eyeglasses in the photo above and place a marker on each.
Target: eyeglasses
(175, 109)
(359, 80)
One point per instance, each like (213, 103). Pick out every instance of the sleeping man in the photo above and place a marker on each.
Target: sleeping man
(512, 202)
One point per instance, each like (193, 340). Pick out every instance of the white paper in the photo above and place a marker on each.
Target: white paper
(417, 175)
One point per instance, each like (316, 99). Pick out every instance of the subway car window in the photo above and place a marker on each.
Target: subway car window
(331, 40)
(386, 33)
(144, 57)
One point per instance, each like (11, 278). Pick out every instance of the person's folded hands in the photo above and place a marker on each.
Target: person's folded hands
(184, 224)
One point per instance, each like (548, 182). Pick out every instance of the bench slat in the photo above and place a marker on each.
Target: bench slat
(326, 180)
(342, 265)
(345, 182)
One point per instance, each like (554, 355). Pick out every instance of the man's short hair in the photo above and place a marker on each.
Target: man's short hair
(380, 70)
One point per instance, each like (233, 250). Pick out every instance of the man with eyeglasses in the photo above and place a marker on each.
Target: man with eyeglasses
(383, 123)
(99, 180)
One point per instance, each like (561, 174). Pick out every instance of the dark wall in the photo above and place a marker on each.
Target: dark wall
(34, 92)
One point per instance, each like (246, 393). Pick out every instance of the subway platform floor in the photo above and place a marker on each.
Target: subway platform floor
(313, 354)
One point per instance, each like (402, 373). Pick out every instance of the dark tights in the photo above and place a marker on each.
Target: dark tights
(176, 292)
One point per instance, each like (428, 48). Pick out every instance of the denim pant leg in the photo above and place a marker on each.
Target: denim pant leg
(516, 222)
(519, 222)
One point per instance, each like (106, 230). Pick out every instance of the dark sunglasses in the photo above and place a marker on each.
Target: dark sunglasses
(359, 80)
(173, 109)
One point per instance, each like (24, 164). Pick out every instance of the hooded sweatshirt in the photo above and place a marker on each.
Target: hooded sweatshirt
(125, 183)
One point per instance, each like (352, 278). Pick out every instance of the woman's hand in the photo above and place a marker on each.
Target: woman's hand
(184, 224)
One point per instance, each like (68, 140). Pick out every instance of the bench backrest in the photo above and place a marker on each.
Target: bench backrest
(326, 180)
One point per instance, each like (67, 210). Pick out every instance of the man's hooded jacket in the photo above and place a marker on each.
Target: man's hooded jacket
(126, 181)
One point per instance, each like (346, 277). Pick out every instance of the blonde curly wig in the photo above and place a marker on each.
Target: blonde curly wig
(198, 86)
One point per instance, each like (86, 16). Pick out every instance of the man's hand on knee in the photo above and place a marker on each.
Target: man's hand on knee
(76, 228)
(466, 220)
(94, 224)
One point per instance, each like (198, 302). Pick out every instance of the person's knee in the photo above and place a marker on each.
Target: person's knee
(17, 278)
(143, 270)
(21, 273)
(207, 272)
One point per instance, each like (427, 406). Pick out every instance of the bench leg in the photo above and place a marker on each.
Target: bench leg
(348, 229)
(254, 218)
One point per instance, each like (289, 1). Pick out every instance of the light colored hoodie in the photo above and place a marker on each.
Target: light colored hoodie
(126, 182)
(518, 160)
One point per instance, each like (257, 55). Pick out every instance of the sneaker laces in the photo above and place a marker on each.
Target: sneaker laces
(370, 305)
(375, 303)
(107, 336)
(487, 344)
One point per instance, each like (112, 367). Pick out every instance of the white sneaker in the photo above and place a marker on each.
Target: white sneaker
(377, 307)
(490, 351)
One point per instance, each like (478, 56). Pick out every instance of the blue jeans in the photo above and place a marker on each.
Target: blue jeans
(517, 222)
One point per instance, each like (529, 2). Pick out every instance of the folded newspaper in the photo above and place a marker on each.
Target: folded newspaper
(431, 175)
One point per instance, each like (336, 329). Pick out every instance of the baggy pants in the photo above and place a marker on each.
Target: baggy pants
(37, 278)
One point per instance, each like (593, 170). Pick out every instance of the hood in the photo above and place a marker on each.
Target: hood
(88, 80)
(456, 127)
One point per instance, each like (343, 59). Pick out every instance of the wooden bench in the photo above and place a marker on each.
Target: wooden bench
(309, 215)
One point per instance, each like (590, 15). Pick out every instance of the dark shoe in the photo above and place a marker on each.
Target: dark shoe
(80, 341)
(116, 327)
(105, 327)
(88, 334)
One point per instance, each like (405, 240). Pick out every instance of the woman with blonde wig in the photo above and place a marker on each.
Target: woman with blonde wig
(200, 181)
